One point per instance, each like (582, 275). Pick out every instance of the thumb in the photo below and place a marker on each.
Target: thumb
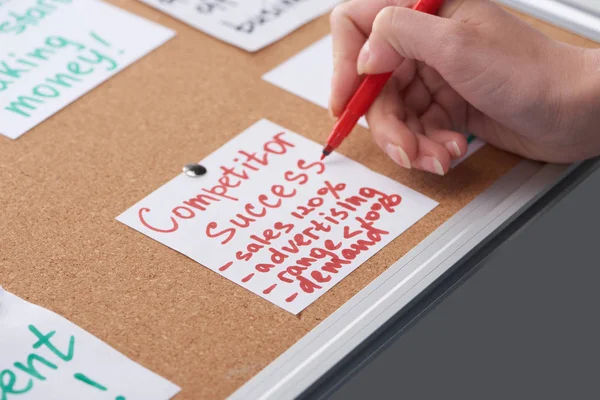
(400, 33)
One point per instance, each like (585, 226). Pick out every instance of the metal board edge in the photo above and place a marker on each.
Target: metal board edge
(581, 22)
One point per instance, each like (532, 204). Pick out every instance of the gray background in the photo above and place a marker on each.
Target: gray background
(593, 5)
(524, 326)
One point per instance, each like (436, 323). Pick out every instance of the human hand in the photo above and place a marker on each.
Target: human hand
(474, 68)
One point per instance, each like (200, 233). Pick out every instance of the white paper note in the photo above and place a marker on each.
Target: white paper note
(269, 216)
(308, 75)
(44, 356)
(248, 24)
(54, 51)
(475, 145)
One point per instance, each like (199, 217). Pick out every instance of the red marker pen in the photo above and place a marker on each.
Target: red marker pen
(367, 92)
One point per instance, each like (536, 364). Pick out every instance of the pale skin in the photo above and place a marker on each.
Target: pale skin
(473, 68)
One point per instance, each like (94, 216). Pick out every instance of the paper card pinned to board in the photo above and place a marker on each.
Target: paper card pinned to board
(269, 216)
(248, 24)
(54, 51)
(308, 75)
(45, 356)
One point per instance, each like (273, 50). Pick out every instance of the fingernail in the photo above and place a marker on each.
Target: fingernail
(433, 165)
(363, 58)
(398, 155)
(453, 148)
(330, 112)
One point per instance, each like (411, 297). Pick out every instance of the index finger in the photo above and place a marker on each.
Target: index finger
(351, 24)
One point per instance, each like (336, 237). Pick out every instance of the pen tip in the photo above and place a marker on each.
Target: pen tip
(326, 151)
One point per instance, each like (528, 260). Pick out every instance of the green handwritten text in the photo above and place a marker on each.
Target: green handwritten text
(8, 378)
(37, 368)
(86, 61)
(19, 22)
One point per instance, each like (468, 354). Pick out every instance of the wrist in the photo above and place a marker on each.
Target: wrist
(593, 56)
(586, 91)
(577, 84)
(580, 111)
(590, 77)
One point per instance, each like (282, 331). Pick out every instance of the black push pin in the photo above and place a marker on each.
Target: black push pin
(194, 170)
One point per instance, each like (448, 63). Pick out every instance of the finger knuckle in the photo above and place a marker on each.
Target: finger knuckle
(339, 13)
(384, 20)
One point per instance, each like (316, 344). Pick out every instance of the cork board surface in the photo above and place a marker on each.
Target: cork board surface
(63, 183)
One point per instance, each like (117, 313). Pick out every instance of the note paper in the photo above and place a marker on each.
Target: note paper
(248, 24)
(269, 216)
(54, 51)
(44, 356)
(308, 75)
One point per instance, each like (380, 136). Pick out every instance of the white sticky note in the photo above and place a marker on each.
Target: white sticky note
(54, 51)
(475, 145)
(308, 75)
(269, 216)
(44, 356)
(248, 24)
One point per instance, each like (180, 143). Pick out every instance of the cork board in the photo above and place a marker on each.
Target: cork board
(63, 183)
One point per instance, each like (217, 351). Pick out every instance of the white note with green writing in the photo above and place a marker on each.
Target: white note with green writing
(248, 24)
(44, 356)
(54, 51)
